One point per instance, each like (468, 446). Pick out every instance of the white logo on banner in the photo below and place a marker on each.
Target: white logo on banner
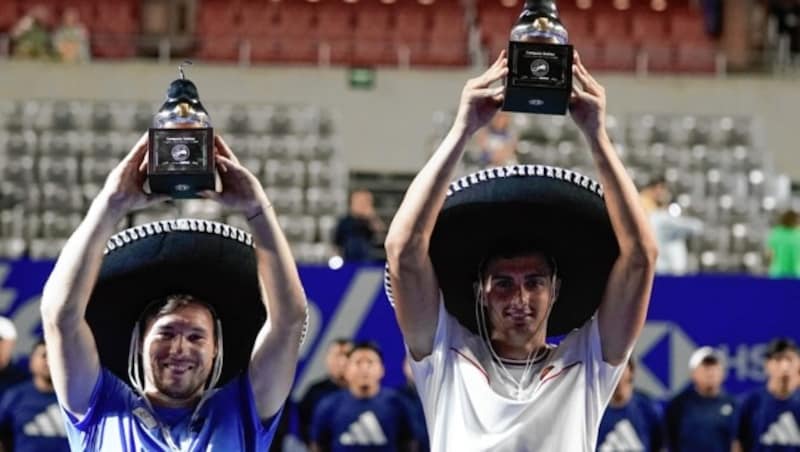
(783, 432)
(622, 439)
(680, 349)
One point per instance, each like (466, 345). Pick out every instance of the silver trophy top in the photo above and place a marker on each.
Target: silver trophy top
(540, 22)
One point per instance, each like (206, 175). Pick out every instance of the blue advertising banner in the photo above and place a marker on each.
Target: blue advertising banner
(737, 314)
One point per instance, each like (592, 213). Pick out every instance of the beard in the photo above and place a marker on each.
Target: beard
(182, 387)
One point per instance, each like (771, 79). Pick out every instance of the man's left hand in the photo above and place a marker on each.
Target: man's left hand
(241, 190)
(588, 100)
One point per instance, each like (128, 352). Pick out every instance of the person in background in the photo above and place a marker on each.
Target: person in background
(10, 372)
(497, 141)
(702, 418)
(672, 230)
(365, 416)
(783, 247)
(336, 363)
(770, 416)
(358, 232)
(29, 414)
(30, 37)
(71, 38)
(632, 421)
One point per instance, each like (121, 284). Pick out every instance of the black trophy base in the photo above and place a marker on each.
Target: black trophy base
(539, 78)
(181, 186)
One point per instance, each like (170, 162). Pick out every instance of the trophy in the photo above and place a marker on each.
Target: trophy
(539, 62)
(181, 153)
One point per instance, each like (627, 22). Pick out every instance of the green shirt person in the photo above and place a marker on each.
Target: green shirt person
(783, 247)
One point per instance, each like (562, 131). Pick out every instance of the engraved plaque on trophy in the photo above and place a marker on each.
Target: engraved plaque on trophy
(539, 62)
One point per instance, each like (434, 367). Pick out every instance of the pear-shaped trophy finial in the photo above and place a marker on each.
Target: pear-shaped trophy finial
(181, 161)
(540, 22)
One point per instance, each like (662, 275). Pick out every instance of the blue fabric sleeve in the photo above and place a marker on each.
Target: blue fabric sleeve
(95, 404)
(263, 427)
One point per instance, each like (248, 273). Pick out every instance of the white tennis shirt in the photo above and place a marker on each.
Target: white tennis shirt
(559, 411)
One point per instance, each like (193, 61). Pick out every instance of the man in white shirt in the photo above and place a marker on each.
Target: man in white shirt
(483, 270)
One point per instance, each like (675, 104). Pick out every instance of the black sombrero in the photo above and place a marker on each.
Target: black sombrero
(211, 261)
(553, 209)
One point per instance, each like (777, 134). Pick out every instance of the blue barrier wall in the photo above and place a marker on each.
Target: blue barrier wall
(738, 314)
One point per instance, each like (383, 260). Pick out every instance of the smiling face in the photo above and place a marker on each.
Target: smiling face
(179, 350)
(518, 293)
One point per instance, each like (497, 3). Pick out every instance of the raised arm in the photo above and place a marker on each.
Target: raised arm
(414, 285)
(624, 306)
(71, 350)
(275, 353)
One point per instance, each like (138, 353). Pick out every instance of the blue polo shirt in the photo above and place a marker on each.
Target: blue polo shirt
(701, 424)
(118, 419)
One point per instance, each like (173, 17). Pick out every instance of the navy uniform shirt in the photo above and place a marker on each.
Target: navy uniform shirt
(636, 427)
(768, 424)
(33, 419)
(701, 424)
(344, 423)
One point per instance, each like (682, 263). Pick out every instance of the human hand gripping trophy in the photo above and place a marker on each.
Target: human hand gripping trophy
(181, 144)
(539, 62)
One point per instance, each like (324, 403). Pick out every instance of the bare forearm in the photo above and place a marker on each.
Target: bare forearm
(628, 219)
(424, 198)
(277, 270)
(69, 286)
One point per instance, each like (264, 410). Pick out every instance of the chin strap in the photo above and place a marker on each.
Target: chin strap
(483, 331)
(135, 377)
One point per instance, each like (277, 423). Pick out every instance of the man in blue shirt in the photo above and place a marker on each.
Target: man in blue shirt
(135, 331)
(702, 418)
(364, 417)
(770, 416)
(336, 363)
(29, 411)
(632, 422)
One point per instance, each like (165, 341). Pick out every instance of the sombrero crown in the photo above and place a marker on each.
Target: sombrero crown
(211, 261)
(557, 211)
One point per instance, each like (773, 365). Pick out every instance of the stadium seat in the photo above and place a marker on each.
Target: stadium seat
(286, 200)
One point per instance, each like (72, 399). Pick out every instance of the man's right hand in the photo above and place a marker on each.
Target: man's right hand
(123, 190)
(479, 102)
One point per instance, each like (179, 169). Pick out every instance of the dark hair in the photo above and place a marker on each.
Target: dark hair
(366, 345)
(789, 219)
(171, 303)
(39, 341)
(340, 341)
(780, 345)
(509, 249)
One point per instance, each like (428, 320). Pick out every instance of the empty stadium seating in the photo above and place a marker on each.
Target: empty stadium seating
(54, 162)
(714, 165)
(622, 40)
